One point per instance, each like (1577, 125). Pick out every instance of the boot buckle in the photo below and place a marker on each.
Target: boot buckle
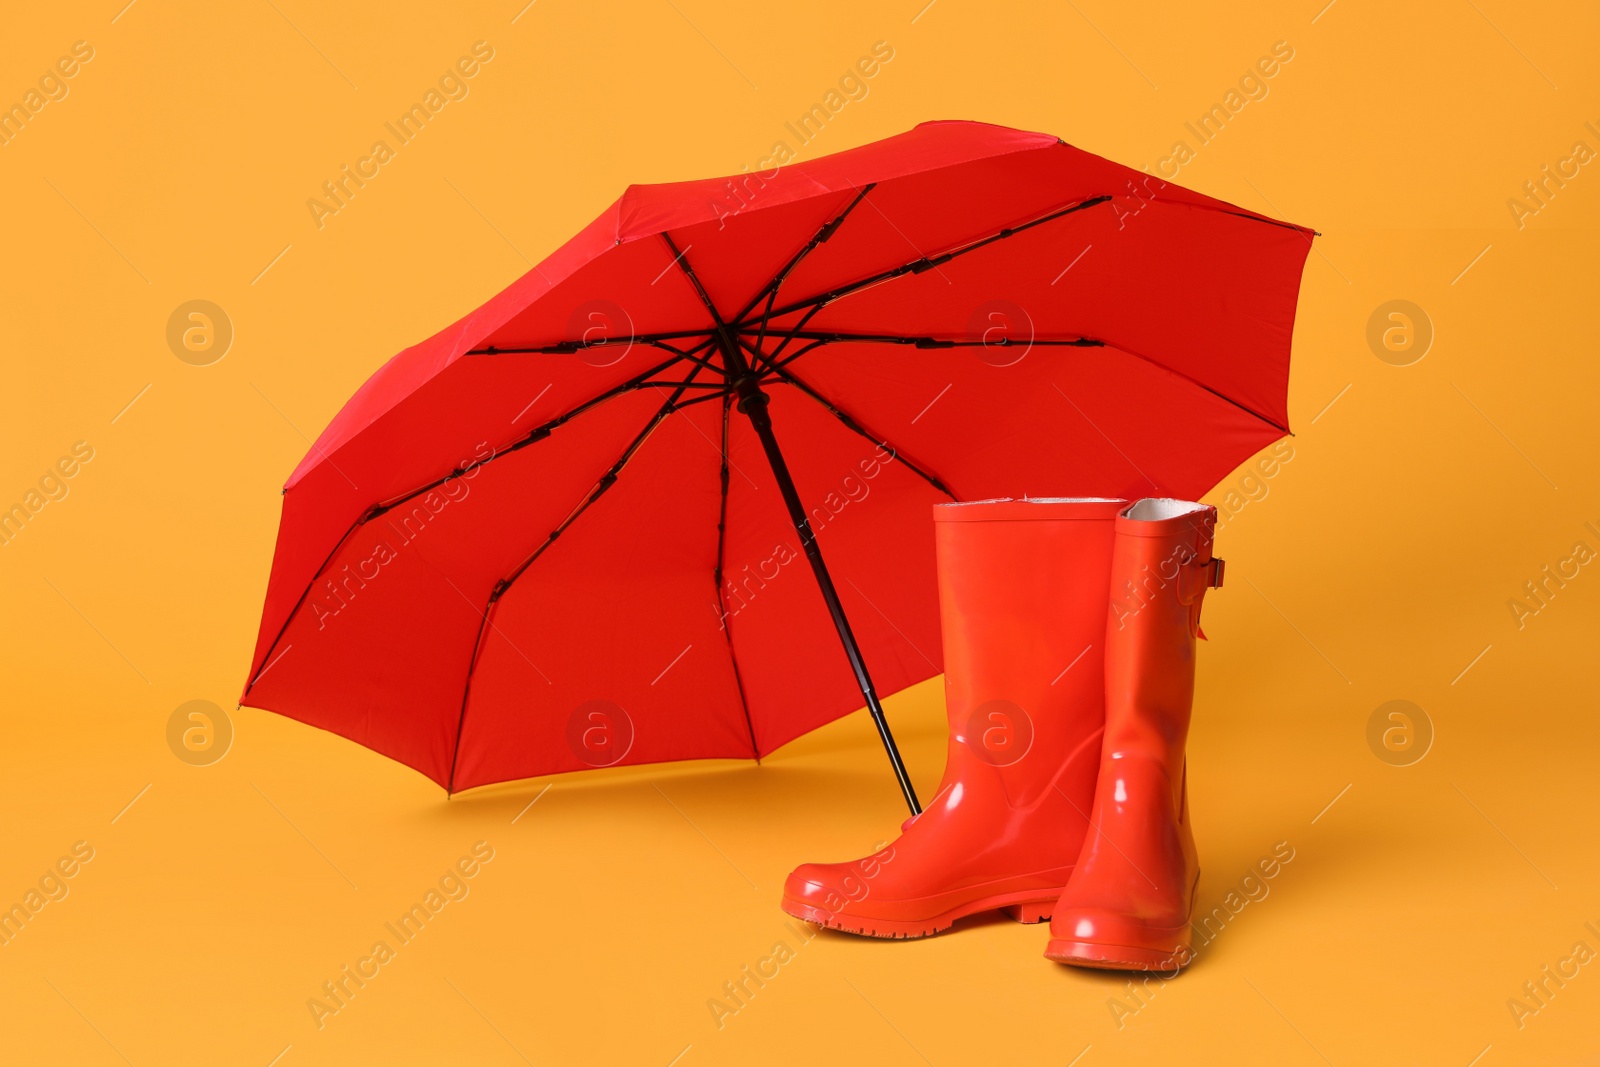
(1214, 571)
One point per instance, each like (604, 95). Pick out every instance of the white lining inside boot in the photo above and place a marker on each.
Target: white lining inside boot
(1156, 508)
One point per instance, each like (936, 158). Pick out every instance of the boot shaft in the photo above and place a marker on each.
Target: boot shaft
(1023, 586)
(1161, 567)
(1130, 900)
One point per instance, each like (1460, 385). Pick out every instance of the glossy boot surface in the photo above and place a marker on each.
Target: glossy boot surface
(1131, 898)
(1022, 593)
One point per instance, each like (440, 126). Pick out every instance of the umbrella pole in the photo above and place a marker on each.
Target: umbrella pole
(753, 402)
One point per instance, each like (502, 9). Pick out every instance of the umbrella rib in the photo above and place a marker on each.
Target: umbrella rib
(607, 480)
(775, 363)
(820, 237)
(461, 720)
(719, 386)
(704, 398)
(921, 340)
(266, 657)
(722, 600)
(927, 263)
(852, 424)
(571, 347)
(820, 338)
(798, 326)
(538, 433)
(568, 347)
(682, 260)
(824, 232)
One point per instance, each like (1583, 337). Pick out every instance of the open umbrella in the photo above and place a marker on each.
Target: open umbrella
(574, 528)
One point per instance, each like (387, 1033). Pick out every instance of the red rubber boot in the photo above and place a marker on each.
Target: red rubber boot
(1022, 598)
(1131, 898)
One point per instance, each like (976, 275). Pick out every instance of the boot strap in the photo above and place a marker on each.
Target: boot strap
(1196, 578)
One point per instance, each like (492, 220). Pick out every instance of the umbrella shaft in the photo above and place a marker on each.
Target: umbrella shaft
(753, 402)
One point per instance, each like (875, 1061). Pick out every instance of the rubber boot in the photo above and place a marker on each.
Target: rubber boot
(1131, 898)
(1022, 593)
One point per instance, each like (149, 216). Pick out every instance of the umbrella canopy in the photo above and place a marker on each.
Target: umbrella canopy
(586, 525)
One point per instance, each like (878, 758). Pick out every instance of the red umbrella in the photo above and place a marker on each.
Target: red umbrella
(561, 533)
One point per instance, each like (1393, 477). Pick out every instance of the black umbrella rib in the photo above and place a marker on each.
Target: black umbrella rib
(607, 480)
(852, 424)
(484, 622)
(927, 263)
(835, 337)
(538, 433)
(807, 317)
(822, 236)
(719, 386)
(824, 232)
(682, 261)
(722, 600)
(266, 658)
(775, 363)
(932, 342)
(568, 347)
(571, 347)
(819, 338)
(705, 398)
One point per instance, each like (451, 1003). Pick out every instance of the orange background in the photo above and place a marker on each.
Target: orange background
(1375, 564)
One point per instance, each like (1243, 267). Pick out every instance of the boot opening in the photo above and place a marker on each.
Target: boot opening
(1157, 508)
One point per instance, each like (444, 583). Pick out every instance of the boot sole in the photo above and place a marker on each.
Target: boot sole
(1032, 906)
(1165, 949)
(1119, 957)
